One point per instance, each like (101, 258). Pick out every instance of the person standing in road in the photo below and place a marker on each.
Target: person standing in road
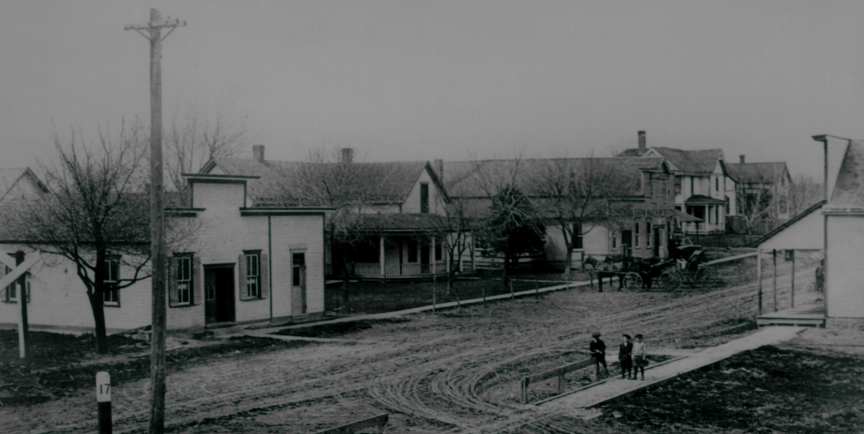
(640, 352)
(598, 352)
(625, 358)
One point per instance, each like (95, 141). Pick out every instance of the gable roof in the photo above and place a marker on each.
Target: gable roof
(682, 160)
(277, 176)
(9, 178)
(815, 207)
(460, 177)
(849, 189)
(757, 172)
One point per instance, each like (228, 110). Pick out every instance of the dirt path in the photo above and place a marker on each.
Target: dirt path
(448, 372)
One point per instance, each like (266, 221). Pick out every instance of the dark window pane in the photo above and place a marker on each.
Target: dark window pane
(424, 198)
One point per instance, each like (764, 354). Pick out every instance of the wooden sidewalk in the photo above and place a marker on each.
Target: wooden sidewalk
(617, 388)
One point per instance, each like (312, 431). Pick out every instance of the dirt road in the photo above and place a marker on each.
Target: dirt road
(451, 372)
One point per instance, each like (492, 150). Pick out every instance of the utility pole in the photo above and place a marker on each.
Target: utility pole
(157, 217)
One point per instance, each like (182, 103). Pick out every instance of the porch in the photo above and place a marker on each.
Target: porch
(710, 212)
(401, 257)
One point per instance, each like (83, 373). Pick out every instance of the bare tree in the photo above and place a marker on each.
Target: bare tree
(191, 140)
(575, 194)
(512, 225)
(354, 191)
(95, 214)
(803, 193)
(454, 229)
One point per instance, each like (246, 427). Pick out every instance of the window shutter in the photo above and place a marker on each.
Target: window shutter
(265, 276)
(197, 281)
(171, 276)
(241, 265)
(6, 289)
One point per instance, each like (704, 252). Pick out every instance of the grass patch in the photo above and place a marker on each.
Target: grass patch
(339, 329)
(767, 390)
(47, 350)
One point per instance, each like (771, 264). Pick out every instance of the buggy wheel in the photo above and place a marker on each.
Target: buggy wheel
(671, 279)
(632, 281)
(706, 275)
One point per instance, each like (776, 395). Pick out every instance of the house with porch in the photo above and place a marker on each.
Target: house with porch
(645, 214)
(396, 217)
(704, 187)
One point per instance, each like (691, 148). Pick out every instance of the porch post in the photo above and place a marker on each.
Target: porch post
(707, 219)
(381, 254)
(473, 256)
(432, 254)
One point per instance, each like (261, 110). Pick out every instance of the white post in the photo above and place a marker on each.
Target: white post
(381, 254)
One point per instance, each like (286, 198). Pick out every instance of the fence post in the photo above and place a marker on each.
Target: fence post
(524, 390)
(774, 256)
(512, 296)
(793, 277)
(759, 276)
(537, 289)
(433, 297)
(103, 401)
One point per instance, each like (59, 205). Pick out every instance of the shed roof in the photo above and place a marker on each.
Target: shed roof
(699, 199)
(815, 207)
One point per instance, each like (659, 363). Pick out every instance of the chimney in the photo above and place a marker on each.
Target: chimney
(439, 169)
(742, 158)
(258, 153)
(347, 155)
(642, 143)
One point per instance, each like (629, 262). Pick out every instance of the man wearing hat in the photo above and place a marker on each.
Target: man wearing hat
(598, 352)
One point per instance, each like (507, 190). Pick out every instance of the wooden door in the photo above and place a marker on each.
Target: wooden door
(626, 241)
(656, 242)
(219, 295)
(298, 280)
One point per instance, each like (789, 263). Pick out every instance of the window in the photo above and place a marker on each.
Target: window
(727, 205)
(12, 289)
(577, 236)
(636, 236)
(614, 240)
(717, 184)
(424, 197)
(253, 271)
(692, 184)
(717, 215)
(112, 297)
(648, 233)
(298, 263)
(438, 252)
(677, 185)
(184, 279)
(412, 250)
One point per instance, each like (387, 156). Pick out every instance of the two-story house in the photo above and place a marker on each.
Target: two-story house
(763, 185)
(396, 219)
(241, 264)
(704, 187)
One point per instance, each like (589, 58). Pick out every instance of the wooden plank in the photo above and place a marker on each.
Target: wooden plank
(731, 258)
(379, 421)
(535, 378)
(19, 270)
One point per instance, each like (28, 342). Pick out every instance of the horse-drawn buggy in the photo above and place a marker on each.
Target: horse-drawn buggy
(686, 265)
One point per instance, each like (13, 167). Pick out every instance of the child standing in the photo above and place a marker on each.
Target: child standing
(625, 357)
(598, 353)
(640, 353)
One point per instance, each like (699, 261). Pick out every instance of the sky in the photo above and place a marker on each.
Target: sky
(450, 79)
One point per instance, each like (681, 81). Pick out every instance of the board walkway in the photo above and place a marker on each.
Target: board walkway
(617, 388)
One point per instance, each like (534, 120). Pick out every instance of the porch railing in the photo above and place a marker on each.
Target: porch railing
(390, 270)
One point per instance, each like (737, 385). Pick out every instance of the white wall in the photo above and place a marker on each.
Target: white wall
(412, 203)
(836, 152)
(844, 286)
(807, 233)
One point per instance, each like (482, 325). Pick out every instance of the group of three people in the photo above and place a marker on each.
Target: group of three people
(631, 355)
